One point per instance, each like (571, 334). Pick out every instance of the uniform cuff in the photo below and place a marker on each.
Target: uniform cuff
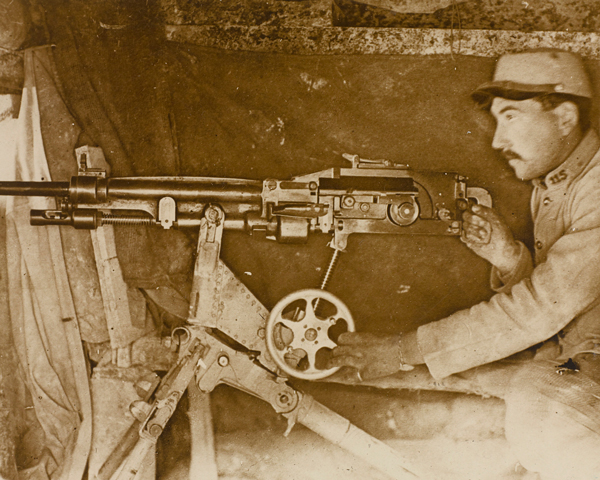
(411, 352)
(524, 267)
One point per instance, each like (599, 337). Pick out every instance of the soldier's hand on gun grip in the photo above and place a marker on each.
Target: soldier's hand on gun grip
(487, 234)
(373, 356)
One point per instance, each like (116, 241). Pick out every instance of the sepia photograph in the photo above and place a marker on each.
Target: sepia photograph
(299, 240)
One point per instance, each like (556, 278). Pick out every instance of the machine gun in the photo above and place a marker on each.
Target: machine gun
(230, 337)
(372, 196)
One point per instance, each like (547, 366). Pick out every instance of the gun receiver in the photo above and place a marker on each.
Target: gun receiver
(368, 197)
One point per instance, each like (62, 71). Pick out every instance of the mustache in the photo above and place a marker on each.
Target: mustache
(510, 155)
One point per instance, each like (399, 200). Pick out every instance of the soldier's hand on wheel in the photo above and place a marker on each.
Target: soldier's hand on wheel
(373, 356)
(487, 234)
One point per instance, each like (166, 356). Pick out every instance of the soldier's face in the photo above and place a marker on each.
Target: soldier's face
(529, 137)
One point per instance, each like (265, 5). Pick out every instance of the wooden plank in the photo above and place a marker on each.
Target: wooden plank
(378, 41)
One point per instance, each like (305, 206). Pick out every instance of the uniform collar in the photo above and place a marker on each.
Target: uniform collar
(577, 160)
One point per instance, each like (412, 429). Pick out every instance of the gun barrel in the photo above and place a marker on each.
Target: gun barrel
(192, 189)
(35, 189)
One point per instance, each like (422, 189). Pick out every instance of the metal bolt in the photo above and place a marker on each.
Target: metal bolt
(271, 184)
(155, 430)
(223, 360)
(365, 207)
(313, 185)
(445, 214)
(462, 204)
(261, 333)
(311, 334)
(348, 202)
(212, 214)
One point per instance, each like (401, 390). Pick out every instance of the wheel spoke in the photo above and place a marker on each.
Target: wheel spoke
(295, 327)
(310, 310)
(311, 354)
(297, 342)
(327, 343)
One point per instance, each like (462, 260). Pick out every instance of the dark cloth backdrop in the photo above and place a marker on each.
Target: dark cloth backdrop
(160, 108)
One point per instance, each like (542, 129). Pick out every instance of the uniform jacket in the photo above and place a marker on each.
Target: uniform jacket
(558, 298)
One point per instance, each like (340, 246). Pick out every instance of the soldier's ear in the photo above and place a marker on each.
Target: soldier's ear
(568, 117)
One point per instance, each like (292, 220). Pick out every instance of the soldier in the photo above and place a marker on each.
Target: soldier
(541, 102)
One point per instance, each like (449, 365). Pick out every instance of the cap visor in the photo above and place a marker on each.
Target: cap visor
(511, 90)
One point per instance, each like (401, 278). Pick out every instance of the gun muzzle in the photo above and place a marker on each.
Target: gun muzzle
(35, 189)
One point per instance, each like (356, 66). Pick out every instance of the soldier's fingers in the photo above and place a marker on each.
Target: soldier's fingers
(353, 338)
(470, 230)
(346, 350)
(469, 240)
(467, 216)
(484, 236)
(472, 219)
(370, 372)
(475, 246)
(345, 361)
(487, 214)
(476, 234)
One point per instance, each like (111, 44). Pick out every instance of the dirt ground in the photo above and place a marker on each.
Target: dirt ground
(305, 456)
(455, 441)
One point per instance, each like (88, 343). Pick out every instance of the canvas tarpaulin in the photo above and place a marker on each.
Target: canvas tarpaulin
(45, 325)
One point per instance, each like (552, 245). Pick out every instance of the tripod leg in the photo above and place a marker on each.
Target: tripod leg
(203, 465)
(136, 459)
(237, 370)
(341, 432)
(166, 398)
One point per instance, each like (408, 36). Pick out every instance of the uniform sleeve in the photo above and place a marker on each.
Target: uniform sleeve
(503, 283)
(534, 309)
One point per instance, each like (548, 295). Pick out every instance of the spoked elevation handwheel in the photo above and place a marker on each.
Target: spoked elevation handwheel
(303, 328)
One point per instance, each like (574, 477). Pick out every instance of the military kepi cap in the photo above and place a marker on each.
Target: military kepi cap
(526, 74)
